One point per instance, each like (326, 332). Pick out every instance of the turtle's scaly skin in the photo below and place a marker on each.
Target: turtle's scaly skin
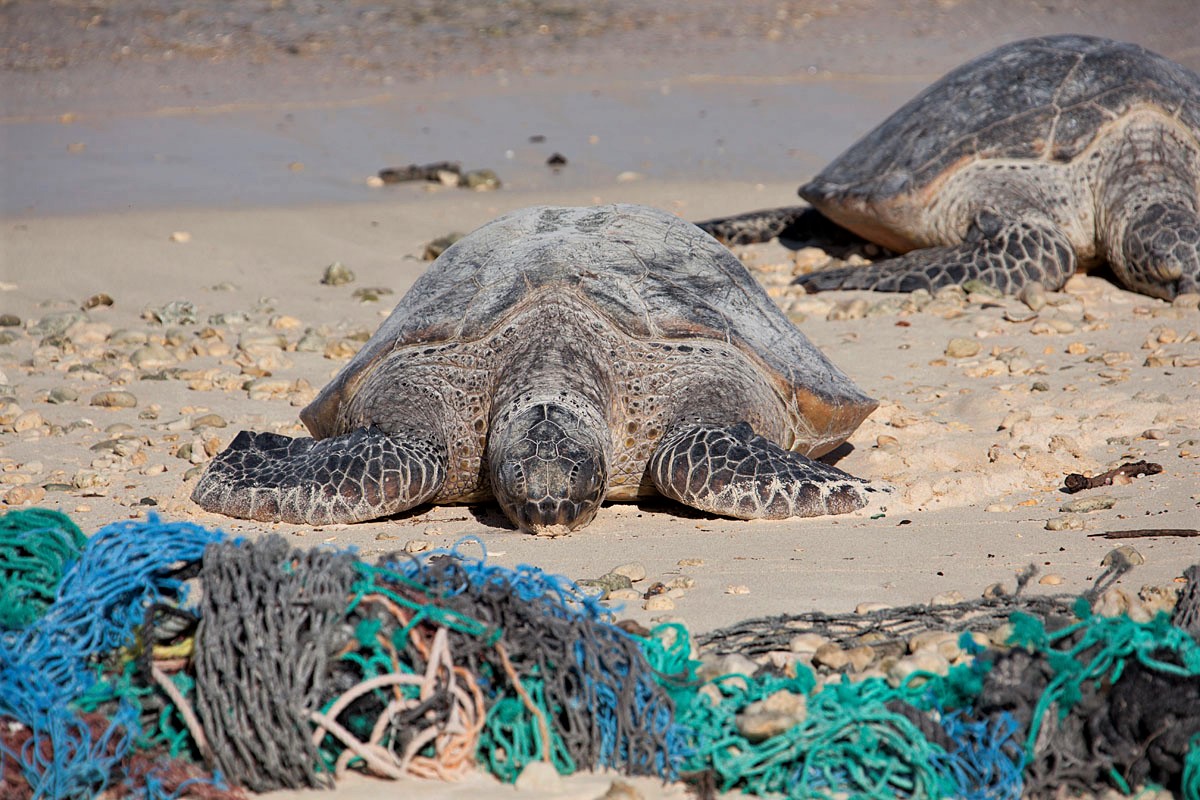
(1038, 158)
(545, 360)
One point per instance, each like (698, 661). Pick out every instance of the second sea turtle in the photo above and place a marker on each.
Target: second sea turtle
(1034, 160)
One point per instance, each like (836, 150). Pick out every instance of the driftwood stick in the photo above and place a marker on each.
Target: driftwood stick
(1139, 533)
(1077, 483)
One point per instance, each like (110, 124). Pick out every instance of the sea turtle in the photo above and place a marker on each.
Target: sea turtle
(1040, 157)
(552, 359)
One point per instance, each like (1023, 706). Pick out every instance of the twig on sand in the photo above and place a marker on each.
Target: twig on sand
(1077, 483)
(1139, 533)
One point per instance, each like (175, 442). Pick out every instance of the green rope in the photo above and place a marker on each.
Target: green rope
(36, 547)
(848, 740)
(373, 581)
(165, 729)
(512, 737)
(1099, 654)
(1191, 770)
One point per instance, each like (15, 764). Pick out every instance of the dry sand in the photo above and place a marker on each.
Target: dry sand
(977, 442)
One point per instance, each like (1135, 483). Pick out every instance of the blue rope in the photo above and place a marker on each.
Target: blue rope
(124, 569)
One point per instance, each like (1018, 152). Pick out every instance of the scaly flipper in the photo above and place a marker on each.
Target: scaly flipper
(795, 223)
(730, 470)
(1003, 252)
(362, 475)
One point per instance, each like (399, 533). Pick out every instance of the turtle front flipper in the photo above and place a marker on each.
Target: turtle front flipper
(730, 470)
(362, 475)
(1004, 252)
(795, 223)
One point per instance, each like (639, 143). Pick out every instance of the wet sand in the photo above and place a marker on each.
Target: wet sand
(260, 157)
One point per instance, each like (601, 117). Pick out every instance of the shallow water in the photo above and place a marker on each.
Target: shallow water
(323, 153)
(180, 103)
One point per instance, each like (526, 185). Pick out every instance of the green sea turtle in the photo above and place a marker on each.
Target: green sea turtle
(552, 359)
(1038, 158)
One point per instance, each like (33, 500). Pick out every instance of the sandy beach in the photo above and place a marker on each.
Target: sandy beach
(168, 222)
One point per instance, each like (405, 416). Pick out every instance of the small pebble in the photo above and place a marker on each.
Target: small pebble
(860, 657)
(607, 583)
(737, 588)
(963, 348)
(943, 643)
(1126, 552)
(831, 655)
(621, 790)
(62, 394)
(659, 602)
(774, 714)
(1189, 301)
(806, 643)
(690, 562)
(97, 301)
(1084, 505)
(337, 274)
(1158, 599)
(1050, 580)
(901, 671)
(208, 421)
(9, 321)
(539, 776)
(634, 570)
(949, 598)
(24, 495)
(417, 546)
(57, 324)
(181, 237)
(481, 180)
(868, 608)
(623, 594)
(1112, 603)
(1067, 522)
(27, 421)
(714, 666)
(114, 400)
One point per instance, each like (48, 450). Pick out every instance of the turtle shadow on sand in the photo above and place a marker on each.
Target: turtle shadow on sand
(556, 358)
(1038, 159)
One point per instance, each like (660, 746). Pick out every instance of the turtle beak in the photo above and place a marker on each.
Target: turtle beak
(548, 470)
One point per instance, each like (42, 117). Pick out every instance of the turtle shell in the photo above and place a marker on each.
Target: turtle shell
(1047, 98)
(651, 274)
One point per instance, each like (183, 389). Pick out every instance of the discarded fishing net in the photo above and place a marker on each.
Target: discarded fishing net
(36, 546)
(171, 653)
(887, 627)
(1072, 700)
(269, 623)
(1103, 701)
(52, 664)
(564, 684)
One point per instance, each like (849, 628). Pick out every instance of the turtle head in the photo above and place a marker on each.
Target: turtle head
(549, 463)
(1160, 254)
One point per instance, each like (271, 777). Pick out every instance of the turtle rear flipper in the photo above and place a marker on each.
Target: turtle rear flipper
(730, 470)
(362, 475)
(1003, 252)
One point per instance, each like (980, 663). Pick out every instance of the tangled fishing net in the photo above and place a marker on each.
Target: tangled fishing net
(161, 660)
